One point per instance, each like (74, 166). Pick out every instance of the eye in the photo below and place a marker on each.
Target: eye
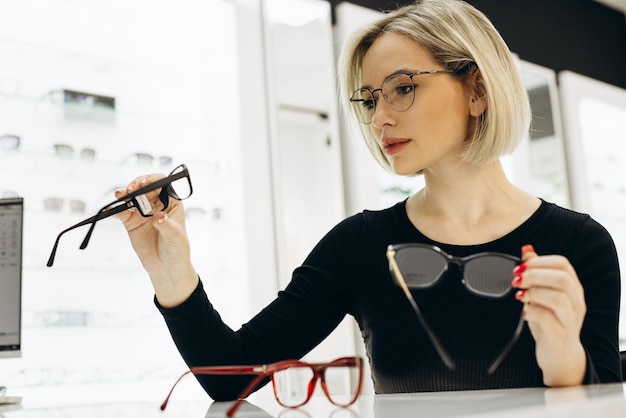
(404, 89)
(369, 104)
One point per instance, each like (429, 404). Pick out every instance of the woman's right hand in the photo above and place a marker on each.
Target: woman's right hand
(162, 245)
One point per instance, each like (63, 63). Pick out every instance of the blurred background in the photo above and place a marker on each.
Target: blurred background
(244, 92)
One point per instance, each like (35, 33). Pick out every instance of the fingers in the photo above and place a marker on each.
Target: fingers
(552, 296)
(528, 252)
(170, 230)
(138, 182)
(173, 245)
(548, 272)
(549, 287)
(554, 309)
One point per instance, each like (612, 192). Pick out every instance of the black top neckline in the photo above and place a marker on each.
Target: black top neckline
(515, 235)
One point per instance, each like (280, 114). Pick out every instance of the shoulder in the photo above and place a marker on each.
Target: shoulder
(364, 229)
(369, 221)
(560, 214)
(570, 222)
(583, 240)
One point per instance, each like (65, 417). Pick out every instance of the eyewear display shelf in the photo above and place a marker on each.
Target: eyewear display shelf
(93, 310)
(66, 160)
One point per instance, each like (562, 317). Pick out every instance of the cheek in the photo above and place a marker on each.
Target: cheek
(445, 117)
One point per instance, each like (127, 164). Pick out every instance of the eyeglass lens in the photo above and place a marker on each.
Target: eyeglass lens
(487, 275)
(144, 159)
(397, 90)
(294, 386)
(9, 142)
(67, 151)
(56, 204)
(180, 188)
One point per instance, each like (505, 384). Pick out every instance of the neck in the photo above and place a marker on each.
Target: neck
(466, 188)
(469, 203)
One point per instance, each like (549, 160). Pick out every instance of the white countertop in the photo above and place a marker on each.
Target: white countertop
(584, 401)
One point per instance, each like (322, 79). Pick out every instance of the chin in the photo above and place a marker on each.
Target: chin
(406, 171)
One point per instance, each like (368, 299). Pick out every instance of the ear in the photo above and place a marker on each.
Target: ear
(478, 94)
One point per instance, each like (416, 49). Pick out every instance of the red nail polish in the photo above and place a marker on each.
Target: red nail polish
(519, 269)
(517, 281)
(520, 294)
(528, 248)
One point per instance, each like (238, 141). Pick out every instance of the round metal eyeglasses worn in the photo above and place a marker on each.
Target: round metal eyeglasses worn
(398, 90)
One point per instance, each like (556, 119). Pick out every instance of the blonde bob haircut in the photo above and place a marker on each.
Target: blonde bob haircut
(463, 40)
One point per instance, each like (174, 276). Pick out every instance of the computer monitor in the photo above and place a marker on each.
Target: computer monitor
(11, 220)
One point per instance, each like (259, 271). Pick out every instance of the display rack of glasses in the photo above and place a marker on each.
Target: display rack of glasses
(66, 168)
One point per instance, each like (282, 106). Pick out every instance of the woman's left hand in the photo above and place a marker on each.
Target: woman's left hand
(554, 308)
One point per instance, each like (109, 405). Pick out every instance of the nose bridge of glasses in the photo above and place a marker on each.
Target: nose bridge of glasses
(376, 108)
(459, 262)
(164, 195)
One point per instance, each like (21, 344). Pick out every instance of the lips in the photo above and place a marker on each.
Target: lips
(395, 145)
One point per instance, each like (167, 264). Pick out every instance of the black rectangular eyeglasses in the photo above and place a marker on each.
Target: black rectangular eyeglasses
(176, 185)
(487, 274)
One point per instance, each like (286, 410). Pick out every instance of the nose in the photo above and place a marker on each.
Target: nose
(383, 113)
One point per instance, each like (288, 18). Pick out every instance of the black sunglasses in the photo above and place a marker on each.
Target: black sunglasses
(176, 185)
(419, 266)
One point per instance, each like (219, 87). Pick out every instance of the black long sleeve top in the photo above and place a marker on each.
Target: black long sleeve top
(347, 273)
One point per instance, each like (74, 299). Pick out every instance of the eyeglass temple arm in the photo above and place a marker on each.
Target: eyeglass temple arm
(224, 370)
(518, 331)
(167, 398)
(443, 354)
(102, 214)
(230, 413)
(87, 221)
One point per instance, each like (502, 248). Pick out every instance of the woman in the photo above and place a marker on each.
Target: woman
(437, 94)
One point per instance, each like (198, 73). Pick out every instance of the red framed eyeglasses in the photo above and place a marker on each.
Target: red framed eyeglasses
(293, 381)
